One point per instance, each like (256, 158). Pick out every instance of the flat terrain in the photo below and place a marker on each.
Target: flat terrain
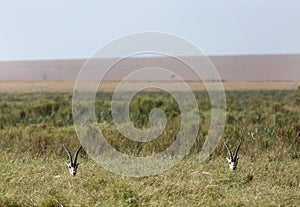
(67, 86)
(230, 68)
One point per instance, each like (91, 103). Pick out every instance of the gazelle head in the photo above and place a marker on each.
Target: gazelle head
(233, 160)
(72, 165)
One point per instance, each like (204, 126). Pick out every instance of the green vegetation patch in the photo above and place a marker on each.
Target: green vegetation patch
(33, 127)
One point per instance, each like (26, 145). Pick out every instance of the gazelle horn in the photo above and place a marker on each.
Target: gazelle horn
(228, 149)
(237, 149)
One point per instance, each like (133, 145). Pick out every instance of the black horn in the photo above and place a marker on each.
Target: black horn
(69, 154)
(228, 149)
(237, 149)
(76, 155)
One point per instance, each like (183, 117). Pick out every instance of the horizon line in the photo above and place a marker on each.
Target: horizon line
(138, 57)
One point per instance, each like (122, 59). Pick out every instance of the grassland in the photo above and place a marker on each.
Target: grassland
(33, 127)
(55, 86)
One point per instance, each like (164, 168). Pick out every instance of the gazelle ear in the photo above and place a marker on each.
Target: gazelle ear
(68, 164)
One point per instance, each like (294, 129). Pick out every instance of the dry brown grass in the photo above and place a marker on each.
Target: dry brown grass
(67, 86)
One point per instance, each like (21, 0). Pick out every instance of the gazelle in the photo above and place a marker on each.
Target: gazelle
(72, 165)
(233, 160)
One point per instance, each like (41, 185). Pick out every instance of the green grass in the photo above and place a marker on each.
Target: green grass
(32, 170)
(46, 182)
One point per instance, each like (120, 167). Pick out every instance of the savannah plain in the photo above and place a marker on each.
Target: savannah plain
(36, 119)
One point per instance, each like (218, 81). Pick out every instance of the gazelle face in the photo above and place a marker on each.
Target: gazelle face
(233, 159)
(232, 163)
(72, 169)
(72, 165)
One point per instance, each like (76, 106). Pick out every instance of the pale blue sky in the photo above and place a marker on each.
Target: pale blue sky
(59, 29)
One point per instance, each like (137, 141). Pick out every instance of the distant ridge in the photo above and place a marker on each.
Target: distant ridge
(230, 68)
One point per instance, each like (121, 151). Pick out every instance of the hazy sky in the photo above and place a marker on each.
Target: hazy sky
(54, 29)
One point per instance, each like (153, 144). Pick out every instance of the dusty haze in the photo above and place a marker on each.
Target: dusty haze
(230, 68)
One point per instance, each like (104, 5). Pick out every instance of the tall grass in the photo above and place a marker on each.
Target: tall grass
(267, 121)
(33, 127)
